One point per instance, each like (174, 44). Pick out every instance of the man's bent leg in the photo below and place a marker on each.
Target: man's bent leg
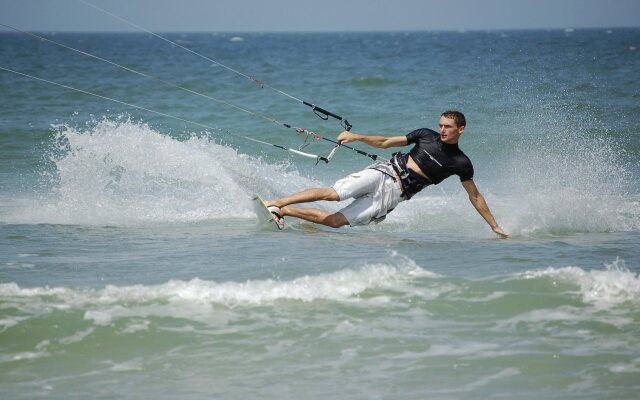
(306, 196)
(315, 215)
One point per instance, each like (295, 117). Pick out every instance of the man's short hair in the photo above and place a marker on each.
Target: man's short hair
(457, 116)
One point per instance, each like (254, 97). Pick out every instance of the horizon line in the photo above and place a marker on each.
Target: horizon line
(565, 28)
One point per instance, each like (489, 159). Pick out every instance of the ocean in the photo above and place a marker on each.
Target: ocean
(131, 264)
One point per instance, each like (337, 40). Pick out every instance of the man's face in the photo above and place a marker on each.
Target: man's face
(449, 131)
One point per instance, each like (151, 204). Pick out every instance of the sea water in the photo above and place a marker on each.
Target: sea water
(131, 265)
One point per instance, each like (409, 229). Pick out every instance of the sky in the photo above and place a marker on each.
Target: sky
(318, 15)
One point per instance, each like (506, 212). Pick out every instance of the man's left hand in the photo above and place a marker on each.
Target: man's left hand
(346, 137)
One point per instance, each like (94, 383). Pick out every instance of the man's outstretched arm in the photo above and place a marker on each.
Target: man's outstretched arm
(380, 142)
(483, 209)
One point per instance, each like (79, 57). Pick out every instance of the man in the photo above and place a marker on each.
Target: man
(378, 189)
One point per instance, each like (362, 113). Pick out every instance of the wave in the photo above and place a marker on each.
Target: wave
(615, 284)
(400, 282)
(342, 285)
(367, 302)
(370, 304)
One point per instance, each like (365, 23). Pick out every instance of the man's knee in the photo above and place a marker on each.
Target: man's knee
(336, 220)
(330, 194)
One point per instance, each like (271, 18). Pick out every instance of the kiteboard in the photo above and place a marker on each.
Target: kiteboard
(265, 218)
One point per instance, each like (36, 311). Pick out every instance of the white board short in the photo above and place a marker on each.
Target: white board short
(375, 191)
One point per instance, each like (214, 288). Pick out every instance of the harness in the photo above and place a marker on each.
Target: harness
(412, 183)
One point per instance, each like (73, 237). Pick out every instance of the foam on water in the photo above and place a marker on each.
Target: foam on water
(607, 288)
(337, 286)
(611, 286)
(377, 318)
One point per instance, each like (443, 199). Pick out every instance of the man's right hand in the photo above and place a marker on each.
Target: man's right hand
(501, 232)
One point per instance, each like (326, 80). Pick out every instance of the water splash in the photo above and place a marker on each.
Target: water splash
(126, 173)
(123, 173)
(549, 176)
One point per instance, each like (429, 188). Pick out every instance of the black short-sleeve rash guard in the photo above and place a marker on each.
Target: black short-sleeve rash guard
(437, 159)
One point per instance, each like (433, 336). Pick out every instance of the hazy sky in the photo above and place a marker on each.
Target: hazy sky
(319, 15)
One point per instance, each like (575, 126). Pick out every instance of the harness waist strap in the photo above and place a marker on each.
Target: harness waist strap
(412, 183)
